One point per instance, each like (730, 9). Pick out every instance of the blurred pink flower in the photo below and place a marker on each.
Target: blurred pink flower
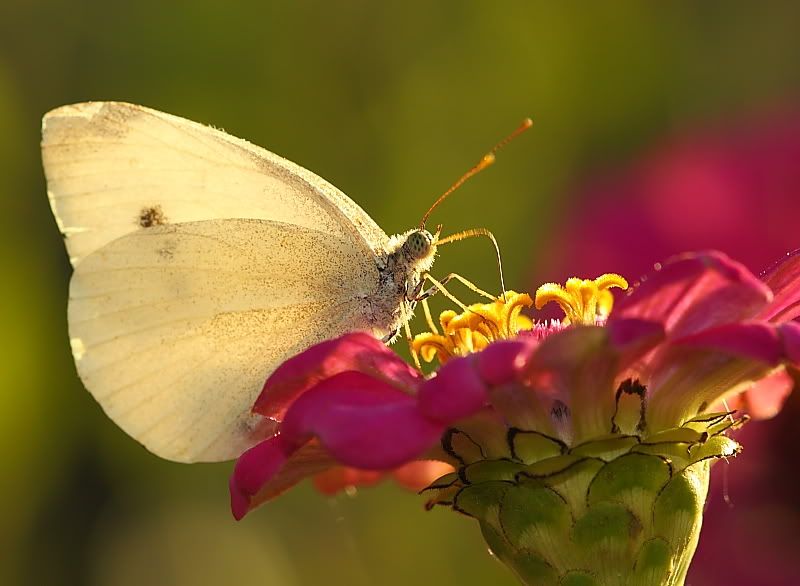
(735, 189)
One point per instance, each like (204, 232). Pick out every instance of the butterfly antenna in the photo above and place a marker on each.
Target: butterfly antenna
(485, 161)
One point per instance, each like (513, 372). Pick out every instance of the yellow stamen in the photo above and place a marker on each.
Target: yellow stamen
(583, 301)
(475, 328)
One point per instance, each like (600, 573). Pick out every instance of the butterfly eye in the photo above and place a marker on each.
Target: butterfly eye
(418, 244)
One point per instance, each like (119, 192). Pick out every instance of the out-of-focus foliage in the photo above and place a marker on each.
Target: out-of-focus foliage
(389, 102)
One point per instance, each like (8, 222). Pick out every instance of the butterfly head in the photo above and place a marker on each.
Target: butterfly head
(419, 244)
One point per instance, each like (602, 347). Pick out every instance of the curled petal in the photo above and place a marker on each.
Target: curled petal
(631, 338)
(271, 467)
(784, 281)
(349, 427)
(762, 341)
(765, 398)
(457, 391)
(696, 291)
(758, 340)
(362, 422)
(351, 352)
(504, 361)
(702, 369)
(419, 474)
(790, 334)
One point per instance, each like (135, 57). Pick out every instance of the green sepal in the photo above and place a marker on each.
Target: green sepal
(534, 517)
(654, 565)
(551, 466)
(528, 567)
(476, 500)
(719, 446)
(607, 447)
(531, 446)
(676, 435)
(486, 470)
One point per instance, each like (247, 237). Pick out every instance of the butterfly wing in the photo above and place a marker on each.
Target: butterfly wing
(176, 317)
(175, 328)
(113, 168)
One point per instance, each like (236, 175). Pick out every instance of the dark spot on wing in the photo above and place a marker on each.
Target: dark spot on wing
(151, 216)
(113, 119)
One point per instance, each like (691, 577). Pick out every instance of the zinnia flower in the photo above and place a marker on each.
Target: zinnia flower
(581, 446)
(732, 185)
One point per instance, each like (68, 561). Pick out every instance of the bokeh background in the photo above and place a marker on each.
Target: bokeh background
(658, 127)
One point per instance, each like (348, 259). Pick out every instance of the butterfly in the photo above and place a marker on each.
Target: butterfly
(201, 263)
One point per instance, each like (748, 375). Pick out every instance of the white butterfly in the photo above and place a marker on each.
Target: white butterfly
(201, 263)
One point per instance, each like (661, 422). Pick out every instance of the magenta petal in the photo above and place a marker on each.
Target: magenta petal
(790, 334)
(784, 281)
(699, 370)
(361, 421)
(457, 391)
(266, 470)
(630, 338)
(351, 352)
(253, 469)
(695, 291)
(504, 361)
(765, 398)
(758, 340)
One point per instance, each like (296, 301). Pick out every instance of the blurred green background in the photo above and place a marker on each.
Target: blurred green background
(391, 103)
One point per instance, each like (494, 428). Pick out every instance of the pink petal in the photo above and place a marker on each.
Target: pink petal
(631, 338)
(504, 361)
(417, 475)
(271, 467)
(758, 340)
(457, 391)
(790, 334)
(784, 281)
(699, 370)
(355, 351)
(695, 291)
(362, 422)
(765, 398)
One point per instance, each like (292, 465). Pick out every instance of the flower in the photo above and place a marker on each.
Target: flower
(734, 186)
(583, 446)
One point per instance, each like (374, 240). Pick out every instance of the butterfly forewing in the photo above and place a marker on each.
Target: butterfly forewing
(112, 167)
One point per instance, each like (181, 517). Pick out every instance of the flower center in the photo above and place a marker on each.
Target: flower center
(474, 329)
(583, 301)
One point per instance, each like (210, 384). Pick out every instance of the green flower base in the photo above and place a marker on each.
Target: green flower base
(624, 509)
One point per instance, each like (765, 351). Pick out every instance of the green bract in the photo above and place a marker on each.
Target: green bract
(623, 509)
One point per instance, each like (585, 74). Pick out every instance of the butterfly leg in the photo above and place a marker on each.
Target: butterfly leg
(391, 336)
(438, 286)
(405, 318)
